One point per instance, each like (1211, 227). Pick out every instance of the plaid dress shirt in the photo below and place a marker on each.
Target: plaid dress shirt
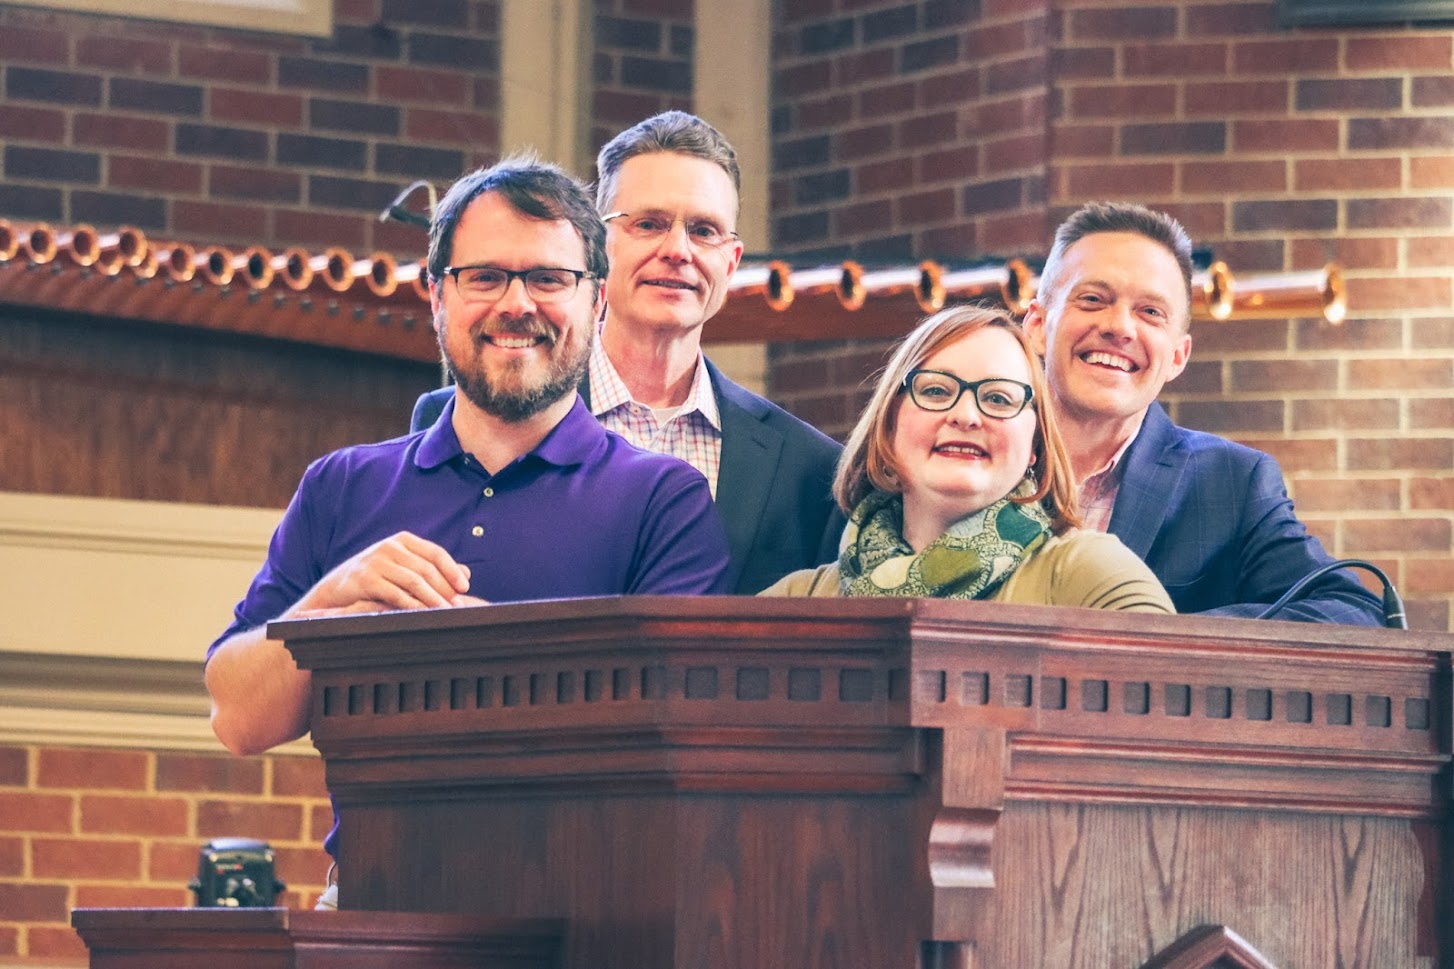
(693, 434)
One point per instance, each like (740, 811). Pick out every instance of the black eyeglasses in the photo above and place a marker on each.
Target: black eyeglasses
(996, 397)
(653, 226)
(485, 284)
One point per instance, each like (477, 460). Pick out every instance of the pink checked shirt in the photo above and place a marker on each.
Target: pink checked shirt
(694, 434)
(1097, 494)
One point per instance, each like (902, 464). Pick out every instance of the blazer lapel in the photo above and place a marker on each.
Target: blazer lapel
(750, 453)
(1153, 468)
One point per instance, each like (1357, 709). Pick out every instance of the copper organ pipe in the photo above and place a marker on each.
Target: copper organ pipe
(334, 267)
(1216, 293)
(39, 243)
(255, 265)
(1211, 292)
(293, 267)
(178, 260)
(378, 273)
(416, 276)
(9, 241)
(148, 267)
(1019, 287)
(127, 243)
(1318, 292)
(81, 244)
(929, 291)
(1219, 295)
(851, 292)
(891, 282)
(215, 264)
(812, 282)
(1011, 283)
(109, 262)
(768, 280)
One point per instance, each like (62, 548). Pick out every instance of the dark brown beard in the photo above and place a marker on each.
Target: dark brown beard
(566, 371)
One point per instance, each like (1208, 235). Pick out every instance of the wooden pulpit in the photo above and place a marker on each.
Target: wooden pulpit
(727, 783)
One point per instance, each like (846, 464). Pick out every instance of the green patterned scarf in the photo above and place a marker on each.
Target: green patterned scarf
(969, 561)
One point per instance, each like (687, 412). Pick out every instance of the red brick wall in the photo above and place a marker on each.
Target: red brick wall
(643, 63)
(901, 132)
(119, 828)
(906, 130)
(1279, 149)
(219, 135)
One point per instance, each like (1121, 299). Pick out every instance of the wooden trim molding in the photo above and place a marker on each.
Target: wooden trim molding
(308, 17)
(1239, 714)
(1209, 947)
(108, 606)
(122, 578)
(95, 701)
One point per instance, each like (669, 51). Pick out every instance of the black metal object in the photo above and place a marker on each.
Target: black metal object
(236, 873)
(1306, 13)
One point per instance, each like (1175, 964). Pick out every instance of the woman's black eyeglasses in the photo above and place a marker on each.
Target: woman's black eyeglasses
(996, 397)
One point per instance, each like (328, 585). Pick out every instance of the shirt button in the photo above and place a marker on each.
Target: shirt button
(477, 531)
(489, 492)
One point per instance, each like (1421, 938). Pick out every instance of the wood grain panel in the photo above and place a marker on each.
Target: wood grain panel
(99, 408)
(275, 938)
(1085, 886)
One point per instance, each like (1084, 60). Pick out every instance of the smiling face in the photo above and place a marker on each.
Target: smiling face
(952, 463)
(1113, 331)
(514, 357)
(669, 283)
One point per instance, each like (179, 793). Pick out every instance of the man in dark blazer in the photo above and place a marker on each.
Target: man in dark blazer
(1210, 517)
(668, 192)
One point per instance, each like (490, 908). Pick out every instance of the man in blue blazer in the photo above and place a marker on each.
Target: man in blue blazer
(668, 192)
(1210, 517)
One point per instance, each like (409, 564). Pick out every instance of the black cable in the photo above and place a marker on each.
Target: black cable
(1393, 606)
(399, 213)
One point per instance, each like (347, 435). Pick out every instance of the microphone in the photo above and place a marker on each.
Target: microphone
(1393, 606)
(399, 213)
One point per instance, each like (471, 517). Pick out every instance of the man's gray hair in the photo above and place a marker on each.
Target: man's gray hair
(674, 131)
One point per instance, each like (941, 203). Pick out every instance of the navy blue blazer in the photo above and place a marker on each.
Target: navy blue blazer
(1213, 520)
(774, 489)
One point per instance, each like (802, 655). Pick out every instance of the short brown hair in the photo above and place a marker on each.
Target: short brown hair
(868, 457)
(536, 189)
(1097, 217)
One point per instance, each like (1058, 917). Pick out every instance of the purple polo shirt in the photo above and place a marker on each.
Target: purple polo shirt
(584, 514)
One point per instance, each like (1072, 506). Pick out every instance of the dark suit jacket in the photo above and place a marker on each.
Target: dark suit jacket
(774, 489)
(1212, 519)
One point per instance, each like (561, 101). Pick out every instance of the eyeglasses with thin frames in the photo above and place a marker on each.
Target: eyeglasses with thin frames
(654, 226)
(486, 284)
(997, 397)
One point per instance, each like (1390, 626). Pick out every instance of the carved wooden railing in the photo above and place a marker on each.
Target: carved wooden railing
(727, 782)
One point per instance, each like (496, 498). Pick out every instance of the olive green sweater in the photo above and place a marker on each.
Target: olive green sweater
(1077, 568)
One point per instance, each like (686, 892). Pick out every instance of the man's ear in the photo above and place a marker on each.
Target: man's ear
(736, 258)
(436, 298)
(1180, 354)
(1034, 326)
